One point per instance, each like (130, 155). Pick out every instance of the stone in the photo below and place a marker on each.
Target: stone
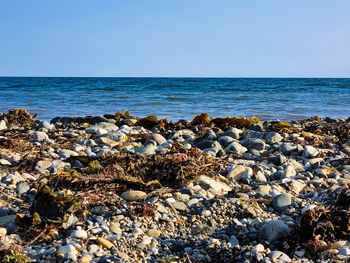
(259, 248)
(272, 137)
(43, 164)
(22, 187)
(279, 257)
(233, 132)
(79, 233)
(297, 186)
(3, 231)
(236, 148)
(2, 125)
(213, 186)
(310, 151)
(256, 127)
(133, 195)
(225, 140)
(159, 139)
(265, 189)
(40, 136)
(234, 241)
(192, 202)
(149, 149)
(65, 153)
(251, 134)
(4, 162)
(85, 259)
(101, 131)
(260, 177)
(114, 227)
(289, 172)
(109, 142)
(46, 125)
(274, 230)
(236, 173)
(179, 206)
(68, 251)
(144, 243)
(298, 167)
(12, 178)
(104, 242)
(344, 251)
(281, 202)
(153, 232)
(287, 148)
(253, 144)
(257, 252)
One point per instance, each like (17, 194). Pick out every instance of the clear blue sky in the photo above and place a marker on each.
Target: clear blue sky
(229, 38)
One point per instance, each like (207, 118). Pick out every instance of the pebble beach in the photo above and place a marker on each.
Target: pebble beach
(121, 188)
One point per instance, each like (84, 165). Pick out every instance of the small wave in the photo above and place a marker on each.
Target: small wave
(157, 103)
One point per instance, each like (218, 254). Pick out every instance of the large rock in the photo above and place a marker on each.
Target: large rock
(233, 132)
(274, 230)
(251, 134)
(240, 172)
(225, 140)
(272, 137)
(159, 139)
(235, 148)
(215, 187)
(254, 144)
(288, 148)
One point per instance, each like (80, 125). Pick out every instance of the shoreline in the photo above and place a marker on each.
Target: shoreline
(128, 189)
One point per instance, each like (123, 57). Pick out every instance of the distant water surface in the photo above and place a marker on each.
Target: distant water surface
(178, 98)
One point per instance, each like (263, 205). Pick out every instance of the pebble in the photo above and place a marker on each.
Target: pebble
(3, 231)
(79, 233)
(281, 202)
(237, 173)
(179, 206)
(104, 242)
(68, 251)
(274, 230)
(2, 125)
(310, 151)
(133, 195)
(153, 232)
(279, 257)
(22, 187)
(85, 259)
(213, 186)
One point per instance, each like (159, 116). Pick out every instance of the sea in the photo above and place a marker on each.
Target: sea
(178, 98)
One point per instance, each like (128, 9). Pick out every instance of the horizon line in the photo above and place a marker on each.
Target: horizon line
(178, 77)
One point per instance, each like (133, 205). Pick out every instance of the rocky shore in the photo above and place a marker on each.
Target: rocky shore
(118, 188)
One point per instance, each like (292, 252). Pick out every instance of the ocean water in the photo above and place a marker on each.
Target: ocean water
(178, 98)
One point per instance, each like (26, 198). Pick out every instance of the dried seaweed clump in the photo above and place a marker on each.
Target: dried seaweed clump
(320, 227)
(18, 117)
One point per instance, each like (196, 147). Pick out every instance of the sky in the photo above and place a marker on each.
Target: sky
(175, 38)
